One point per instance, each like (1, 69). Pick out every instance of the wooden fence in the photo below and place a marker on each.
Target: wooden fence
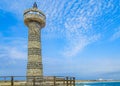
(36, 81)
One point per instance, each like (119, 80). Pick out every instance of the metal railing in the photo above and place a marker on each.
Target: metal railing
(36, 81)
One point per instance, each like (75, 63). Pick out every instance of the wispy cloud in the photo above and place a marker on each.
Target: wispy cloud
(71, 20)
(78, 22)
(116, 35)
(81, 67)
(79, 30)
(0, 34)
(79, 44)
(13, 52)
(16, 7)
(14, 48)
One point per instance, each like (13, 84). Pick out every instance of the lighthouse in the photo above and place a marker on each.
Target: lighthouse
(35, 20)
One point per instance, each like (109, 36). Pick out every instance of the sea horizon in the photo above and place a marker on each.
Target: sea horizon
(98, 83)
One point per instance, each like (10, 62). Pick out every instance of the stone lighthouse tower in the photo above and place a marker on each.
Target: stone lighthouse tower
(34, 19)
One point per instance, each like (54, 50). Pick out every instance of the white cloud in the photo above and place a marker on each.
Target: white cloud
(81, 67)
(16, 7)
(14, 48)
(17, 54)
(78, 44)
(1, 34)
(116, 35)
(79, 29)
(72, 20)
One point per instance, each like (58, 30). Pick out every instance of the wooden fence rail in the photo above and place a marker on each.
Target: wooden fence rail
(36, 81)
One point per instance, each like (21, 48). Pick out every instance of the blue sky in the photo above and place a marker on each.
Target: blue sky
(81, 38)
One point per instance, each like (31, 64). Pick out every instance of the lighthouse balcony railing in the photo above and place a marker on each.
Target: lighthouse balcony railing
(39, 14)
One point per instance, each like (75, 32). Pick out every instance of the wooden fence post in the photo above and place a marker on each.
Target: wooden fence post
(34, 81)
(5, 79)
(70, 81)
(66, 81)
(54, 81)
(12, 81)
(73, 81)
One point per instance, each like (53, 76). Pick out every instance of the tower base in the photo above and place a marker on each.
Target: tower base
(35, 81)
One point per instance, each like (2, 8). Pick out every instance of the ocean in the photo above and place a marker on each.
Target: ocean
(98, 84)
